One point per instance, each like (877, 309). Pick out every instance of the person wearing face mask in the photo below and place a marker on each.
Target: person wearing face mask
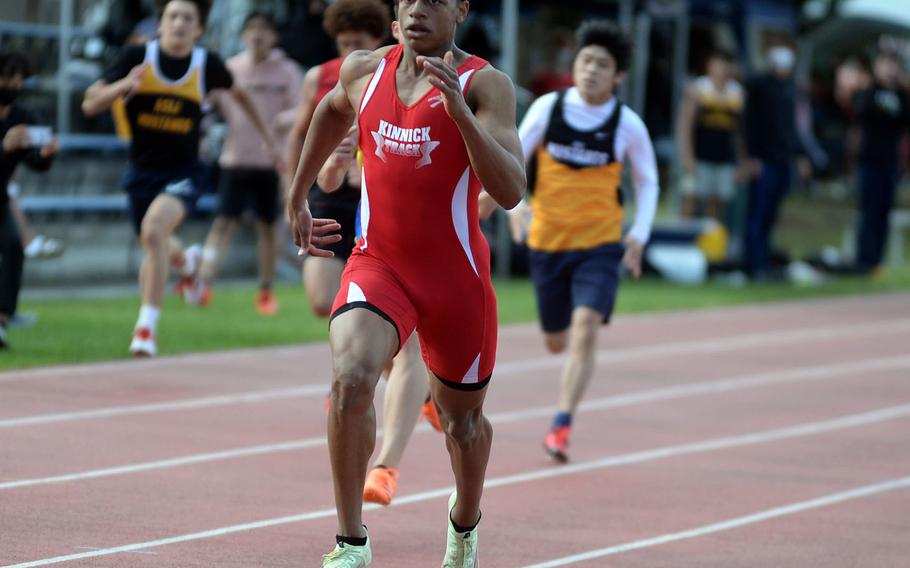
(576, 141)
(883, 113)
(17, 146)
(772, 142)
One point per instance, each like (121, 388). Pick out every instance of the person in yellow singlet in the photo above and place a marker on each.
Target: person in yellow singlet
(709, 140)
(576, 141)
(163, 84)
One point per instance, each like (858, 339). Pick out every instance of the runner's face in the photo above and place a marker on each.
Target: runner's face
(350, 41)
(595, 73)
(428, 25)
(719, 68)
(259, 37)
(180, 26)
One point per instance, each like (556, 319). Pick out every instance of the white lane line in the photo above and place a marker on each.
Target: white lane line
(169, 406)
(604, 357)
(147, 552)
(793, 508)
(206, 357)
(800, 430)
(823, 372)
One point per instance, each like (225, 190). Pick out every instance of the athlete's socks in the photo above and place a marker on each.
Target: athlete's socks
(562, 419)
(460, 529)
(148, 317)
(351, 540)
(190, 264)
(209, 254)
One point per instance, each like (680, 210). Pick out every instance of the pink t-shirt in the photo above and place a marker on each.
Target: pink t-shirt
(274, 85)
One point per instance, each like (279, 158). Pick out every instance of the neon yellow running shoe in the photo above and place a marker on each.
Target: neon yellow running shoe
(461, 548)
(349, 556)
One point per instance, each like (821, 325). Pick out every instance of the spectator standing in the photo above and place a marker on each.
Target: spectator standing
(883, 113)
(772, 141)
(18, 145)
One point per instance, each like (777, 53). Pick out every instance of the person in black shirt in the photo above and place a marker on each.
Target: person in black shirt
(883, 112)
(772, 141)
(163, 85)
(18, 146)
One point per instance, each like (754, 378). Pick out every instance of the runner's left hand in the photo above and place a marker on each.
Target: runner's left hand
(444, 76)
(632, 258)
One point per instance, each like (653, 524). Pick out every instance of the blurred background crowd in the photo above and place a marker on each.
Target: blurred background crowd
(780, 127)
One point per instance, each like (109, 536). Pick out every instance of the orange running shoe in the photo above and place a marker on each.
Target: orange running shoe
(266, 304)
(382, 482)
(432, 416)
(557, 443)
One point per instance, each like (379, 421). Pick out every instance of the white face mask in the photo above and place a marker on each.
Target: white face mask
(781, 59)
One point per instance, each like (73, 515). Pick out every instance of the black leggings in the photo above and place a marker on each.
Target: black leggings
(11, 260)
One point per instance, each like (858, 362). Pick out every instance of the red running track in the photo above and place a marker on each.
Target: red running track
(773, 435)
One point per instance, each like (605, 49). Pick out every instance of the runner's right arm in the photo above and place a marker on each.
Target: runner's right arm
(684, 129)
(118, 81)
(332, 119)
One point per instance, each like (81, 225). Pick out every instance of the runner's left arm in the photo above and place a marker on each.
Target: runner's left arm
(640, 155)
(489, 132)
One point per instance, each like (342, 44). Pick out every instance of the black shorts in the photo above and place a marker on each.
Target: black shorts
(248, 188)
(341, 205)
(566, 280)
(143, 185)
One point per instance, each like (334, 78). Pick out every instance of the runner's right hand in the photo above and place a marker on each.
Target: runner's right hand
(132, 81)
(310, 234)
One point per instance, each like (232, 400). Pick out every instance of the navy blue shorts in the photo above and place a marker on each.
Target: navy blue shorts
(143, 185)
(566, 280)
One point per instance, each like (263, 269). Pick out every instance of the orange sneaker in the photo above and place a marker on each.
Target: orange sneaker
(431, 415)
(266, 304)
(557, 443)
(194, 292)
(382, 482)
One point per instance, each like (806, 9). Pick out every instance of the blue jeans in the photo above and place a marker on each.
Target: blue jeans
(766, 193)
(877, 185)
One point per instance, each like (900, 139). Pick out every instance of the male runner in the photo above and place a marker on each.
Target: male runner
(578, 139)
(435, 124)
(248, 174)
(354, 24)
(406, 389)
(164, 84)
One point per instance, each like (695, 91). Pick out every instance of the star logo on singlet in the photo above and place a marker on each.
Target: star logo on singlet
(406, 142)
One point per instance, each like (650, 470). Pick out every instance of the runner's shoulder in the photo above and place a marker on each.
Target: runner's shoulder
(489, 81)
(362, 63)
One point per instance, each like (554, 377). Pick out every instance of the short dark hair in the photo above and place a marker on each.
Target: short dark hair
(260, 15)
(203, 7)
(395, 6)
(14, 63)
(370, 16)
(609, 36)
